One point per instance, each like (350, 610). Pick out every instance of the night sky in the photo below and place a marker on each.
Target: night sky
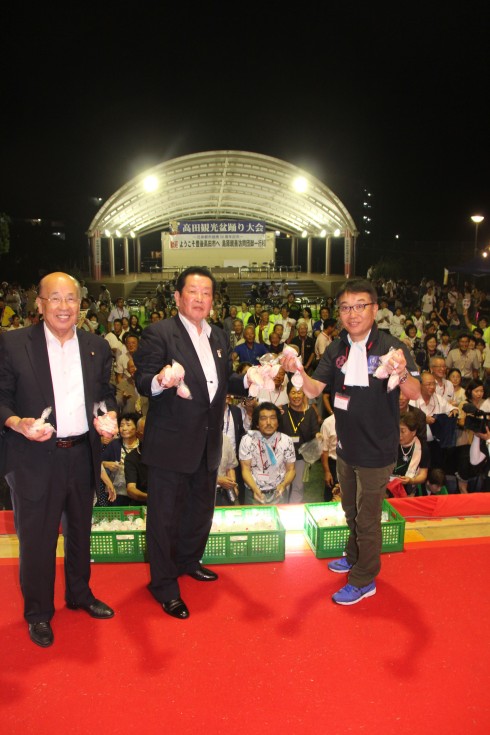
(393, 101)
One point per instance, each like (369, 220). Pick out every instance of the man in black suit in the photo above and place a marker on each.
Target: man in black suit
(50, 474)
(183, 436)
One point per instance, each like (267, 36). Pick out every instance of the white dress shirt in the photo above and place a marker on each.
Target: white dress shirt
(67, 378)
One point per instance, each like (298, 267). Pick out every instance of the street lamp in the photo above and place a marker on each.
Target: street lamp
(476, 218)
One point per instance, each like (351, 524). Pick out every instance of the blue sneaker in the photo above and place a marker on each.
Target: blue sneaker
(349, 595)
(339, 566)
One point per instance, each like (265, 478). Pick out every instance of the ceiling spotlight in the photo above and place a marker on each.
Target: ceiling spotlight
(336, 233)
(150, 183)
(300, 184)
(323, 233)
(107, 233)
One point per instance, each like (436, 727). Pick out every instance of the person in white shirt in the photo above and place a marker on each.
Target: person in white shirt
(431, 403)
(118, 311)
(115, 339)
(288, 324)
(324, 338)
(444, 387)
(428, 301)
(397, 322)
(329, 456)
(384, 316)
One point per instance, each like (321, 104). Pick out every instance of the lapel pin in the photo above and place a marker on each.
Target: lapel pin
(219, 353)
(92, 353)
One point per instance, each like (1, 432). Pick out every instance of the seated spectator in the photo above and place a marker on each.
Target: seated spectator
(329, 457)
(318, 325)
(93, 323)
(412, 461)
(233, 429)
(444, 387)
(226, 483)
(475, 402)
(263, 328)
(397, 322)
(247, 406)
(305, 345)
(135, 471)
(429, 350)
(119, 311)
(410, 337)
(293, 307)
(444, 345)
(236, 334)
(115, 454)
(267, 458)
(244, 313)
(250, 350)
(288, 324)
(433, 405)
(275, 346)
(459, 395)
(384, 316)
(115, 339)
(15, 323)
(324, 338)
(131, 342)
(464, 359)
(306, 319)
(129, 401)
(228, 321)
(155, 316)
(135, 326)
(278, 396)
(298, 421)
(435, 483)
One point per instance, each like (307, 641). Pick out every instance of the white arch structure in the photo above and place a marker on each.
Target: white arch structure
(217, 185)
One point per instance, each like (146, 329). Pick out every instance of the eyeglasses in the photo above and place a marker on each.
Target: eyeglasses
(357, 308)
(58, 300)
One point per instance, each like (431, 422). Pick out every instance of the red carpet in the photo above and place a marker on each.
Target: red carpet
(264, 651)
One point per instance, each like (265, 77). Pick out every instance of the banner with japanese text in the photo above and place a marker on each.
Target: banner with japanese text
(218, 234)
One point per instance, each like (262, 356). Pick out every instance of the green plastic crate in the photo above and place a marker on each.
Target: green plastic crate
(247, 546)
(117, 546)
(331, 541)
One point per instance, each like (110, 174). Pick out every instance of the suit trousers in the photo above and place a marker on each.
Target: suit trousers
(179, 518)
(67, 490)
(363, 490)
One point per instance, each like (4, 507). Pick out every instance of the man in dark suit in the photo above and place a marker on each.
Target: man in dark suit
(183, 436)
(54, 474)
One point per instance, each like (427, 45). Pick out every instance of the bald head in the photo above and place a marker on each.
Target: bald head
(53, 281)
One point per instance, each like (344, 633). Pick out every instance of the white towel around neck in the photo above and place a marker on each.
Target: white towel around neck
(356, 368)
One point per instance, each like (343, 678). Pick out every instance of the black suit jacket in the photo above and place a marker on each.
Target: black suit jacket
(179, 431)
(26, 389)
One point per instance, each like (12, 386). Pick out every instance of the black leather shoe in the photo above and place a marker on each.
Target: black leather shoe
(97, 609)
(203, 575)
(176, 608)
(41, 634)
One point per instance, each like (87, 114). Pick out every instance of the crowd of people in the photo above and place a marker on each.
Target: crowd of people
(436, 339)
(446, 329)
